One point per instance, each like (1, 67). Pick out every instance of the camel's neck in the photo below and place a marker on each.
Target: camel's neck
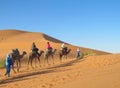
(54, 51)
(22, 55)
(68, 51)
(41, 52)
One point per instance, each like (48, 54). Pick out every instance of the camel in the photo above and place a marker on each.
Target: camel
(61, 54)
(47, 55)
(35, 56)
(16, 57)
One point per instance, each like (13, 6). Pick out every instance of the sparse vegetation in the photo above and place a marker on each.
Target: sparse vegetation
(82, 55)
(89, 52)
(1, 64)
(86, 53)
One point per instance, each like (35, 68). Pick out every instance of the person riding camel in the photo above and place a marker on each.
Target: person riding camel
(34, 48)
(49, 48)
(15, 51)
(63, 47)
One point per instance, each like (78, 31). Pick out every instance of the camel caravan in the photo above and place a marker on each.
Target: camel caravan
(16, 57)
(35, 55)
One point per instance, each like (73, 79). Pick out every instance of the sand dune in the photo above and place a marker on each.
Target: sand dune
(100, 70)
(5, 34)
(91, 72)
(22, 40)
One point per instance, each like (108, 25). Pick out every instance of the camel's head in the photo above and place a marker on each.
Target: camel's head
(42, 51)
(55, 49)
(69, 50)
(24, 52)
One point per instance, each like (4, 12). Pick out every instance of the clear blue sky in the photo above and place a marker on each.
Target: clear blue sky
(88, 23)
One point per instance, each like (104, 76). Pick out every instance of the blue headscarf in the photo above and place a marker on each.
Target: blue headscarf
(8, 60)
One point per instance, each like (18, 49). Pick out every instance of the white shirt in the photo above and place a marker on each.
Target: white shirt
(78, 49)
(63, 45)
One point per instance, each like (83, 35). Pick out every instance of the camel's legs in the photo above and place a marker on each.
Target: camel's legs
(28, 62)
(31, 63)
(39, 61)
(47, 61)
(17, 65)
(52, 58)
(60, 58)
(35, 63)
(13, 68)
(46, 58)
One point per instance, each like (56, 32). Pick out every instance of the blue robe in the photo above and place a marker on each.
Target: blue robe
(8, 63)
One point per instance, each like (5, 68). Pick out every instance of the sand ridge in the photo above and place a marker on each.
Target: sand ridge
(87, 72)
(100, 70)
(22, 40)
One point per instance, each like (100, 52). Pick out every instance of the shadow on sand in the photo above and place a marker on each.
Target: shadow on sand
(39, 72)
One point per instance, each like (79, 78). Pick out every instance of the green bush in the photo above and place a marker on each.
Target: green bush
(2, 64)
(86, 53)
(81, 55)
(89, 52)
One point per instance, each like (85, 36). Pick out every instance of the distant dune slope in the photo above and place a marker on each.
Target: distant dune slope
(52, 39)
(11, 38)
(5, 34)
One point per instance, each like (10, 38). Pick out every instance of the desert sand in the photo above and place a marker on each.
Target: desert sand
(100, 70)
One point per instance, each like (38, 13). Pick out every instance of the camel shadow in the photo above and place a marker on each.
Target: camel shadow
(39, 72)
(24, 77)
(70, 63)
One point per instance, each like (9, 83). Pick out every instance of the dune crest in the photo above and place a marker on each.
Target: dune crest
(11, 38)
(5, 34)
(99, 70)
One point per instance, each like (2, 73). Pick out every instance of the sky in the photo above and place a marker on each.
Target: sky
(92, 24)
